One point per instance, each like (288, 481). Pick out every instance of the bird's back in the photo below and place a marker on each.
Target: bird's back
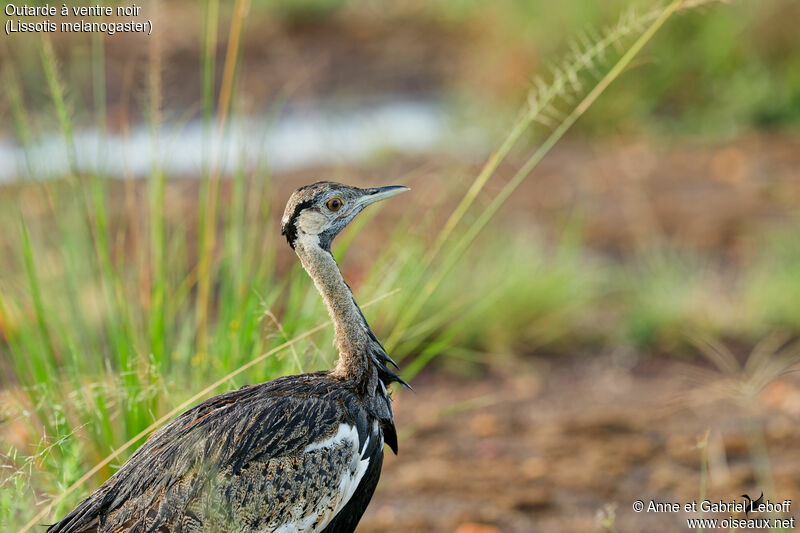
(300, 453)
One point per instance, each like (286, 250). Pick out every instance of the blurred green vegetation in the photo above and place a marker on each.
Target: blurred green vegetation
(712, 75)
(722, 70)
(717, 71)
(117, 303)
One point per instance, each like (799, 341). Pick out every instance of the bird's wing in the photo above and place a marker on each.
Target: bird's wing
(260, 458)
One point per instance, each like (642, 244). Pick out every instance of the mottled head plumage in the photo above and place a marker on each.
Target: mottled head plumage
(323, 209)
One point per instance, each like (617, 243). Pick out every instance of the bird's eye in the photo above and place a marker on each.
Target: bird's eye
(334, 204)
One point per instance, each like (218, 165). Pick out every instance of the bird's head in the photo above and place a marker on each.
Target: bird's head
(321, 210)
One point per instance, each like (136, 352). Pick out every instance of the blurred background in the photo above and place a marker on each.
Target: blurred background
(587, 319)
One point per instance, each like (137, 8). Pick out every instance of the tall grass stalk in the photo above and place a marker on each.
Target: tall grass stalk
(209, 228)
(59, 100)
(18, 112)
(542, 100)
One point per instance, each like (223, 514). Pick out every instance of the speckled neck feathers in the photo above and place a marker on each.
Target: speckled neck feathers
(360, 352)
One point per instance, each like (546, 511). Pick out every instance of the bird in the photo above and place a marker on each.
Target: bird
(752, 505)
(297, 454)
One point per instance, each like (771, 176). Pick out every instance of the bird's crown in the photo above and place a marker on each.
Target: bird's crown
(324, 208)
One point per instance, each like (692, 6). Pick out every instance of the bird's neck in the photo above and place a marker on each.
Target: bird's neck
(353, 337)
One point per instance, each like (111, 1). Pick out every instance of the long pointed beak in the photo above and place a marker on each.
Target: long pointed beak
(377, 194)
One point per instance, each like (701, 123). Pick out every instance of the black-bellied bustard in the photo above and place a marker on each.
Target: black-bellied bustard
(298, 454)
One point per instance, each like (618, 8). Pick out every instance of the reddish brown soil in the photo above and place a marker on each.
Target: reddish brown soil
(544, 446)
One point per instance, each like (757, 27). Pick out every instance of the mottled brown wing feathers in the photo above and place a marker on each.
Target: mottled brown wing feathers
(241, 447)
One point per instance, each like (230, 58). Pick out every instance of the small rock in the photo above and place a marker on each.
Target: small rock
(534, 468)
(534, 500)
(730, 165)
(474, 527)
(484, 425)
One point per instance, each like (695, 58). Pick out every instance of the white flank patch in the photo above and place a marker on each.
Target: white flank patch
(345, 432)
(351, 477)
(348, 483)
